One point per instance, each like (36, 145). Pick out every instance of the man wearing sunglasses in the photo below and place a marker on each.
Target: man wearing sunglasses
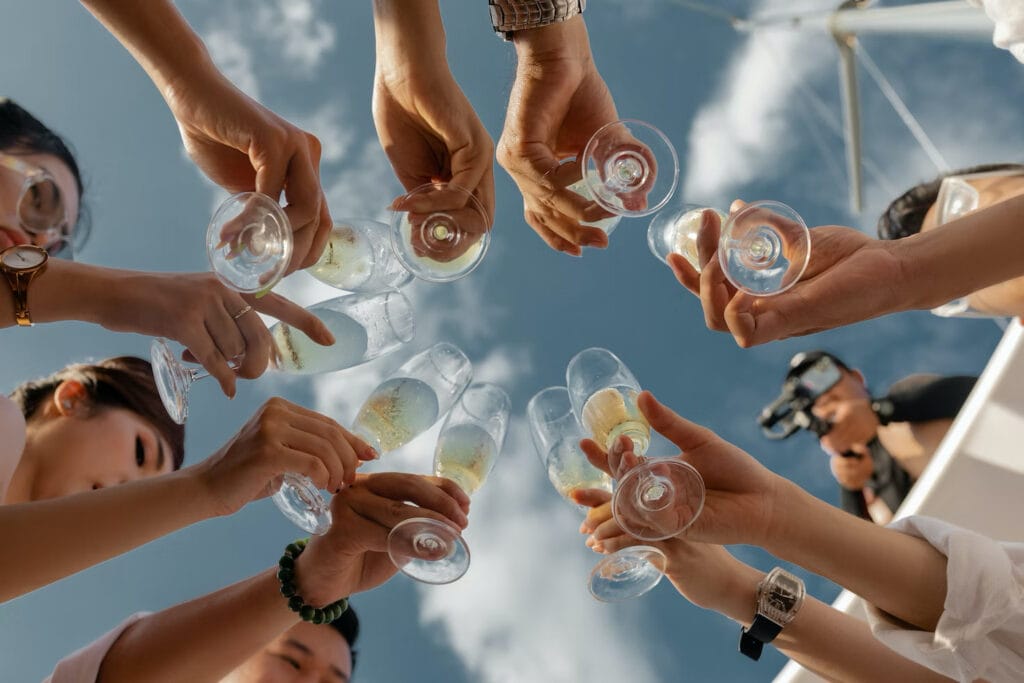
(946, 198)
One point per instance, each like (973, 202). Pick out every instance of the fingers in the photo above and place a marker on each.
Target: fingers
(430, 496)
(206, 352)
(299, 461)
(257, 343)
(320, 238)
(292, 314)
(708, 237)
(337, 456)
(596, 455)
(680, 431)
(591, 497)
(685, 273)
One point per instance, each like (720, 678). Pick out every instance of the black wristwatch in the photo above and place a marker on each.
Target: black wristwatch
(884, 408)
(779, 597)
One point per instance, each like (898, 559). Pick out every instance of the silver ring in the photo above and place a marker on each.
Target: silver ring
(242, 312)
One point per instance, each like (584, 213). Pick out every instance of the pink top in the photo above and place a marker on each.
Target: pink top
(83, 666)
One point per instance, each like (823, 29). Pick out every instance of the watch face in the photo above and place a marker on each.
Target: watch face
(783, 594)
(23, 257)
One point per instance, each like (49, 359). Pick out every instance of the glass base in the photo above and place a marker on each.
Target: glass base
(627, 574)
(764, 248)
(301, 502)
(428, 551)
(249, 242)
(658, 499)
(172, 380)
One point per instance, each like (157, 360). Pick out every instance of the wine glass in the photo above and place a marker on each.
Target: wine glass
(763, 249)
(359, 258)
(365, 326)
(657, 498)
(627, 573)
(630, 168)
(440, 232)
(674, 230)
(249, 242)
(415, 396)
(426, 549)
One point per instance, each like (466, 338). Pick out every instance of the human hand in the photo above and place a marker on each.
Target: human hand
(280, 438)
(206, 317)
(243, 146)
(703, 573)
(853, 422)
(853, 473)
(849, 277)
(557, 102)
(741, 495)
(352, 556)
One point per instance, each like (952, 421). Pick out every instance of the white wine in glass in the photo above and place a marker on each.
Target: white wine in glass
(603, 393)
(359, 258)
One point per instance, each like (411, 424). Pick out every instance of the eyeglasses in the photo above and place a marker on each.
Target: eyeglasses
(957, 196)
(42, 208)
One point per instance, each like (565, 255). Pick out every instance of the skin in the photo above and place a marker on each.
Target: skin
(11, 182)
(305, 652)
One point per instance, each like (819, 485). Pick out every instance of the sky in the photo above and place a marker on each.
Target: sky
(751, 116)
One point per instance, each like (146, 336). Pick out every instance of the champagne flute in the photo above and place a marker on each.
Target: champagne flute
(627, 573)
(431, 551)
(359, 258)
(415, 396)
(657, 498)
(763, 249)
(440, 232)
(249, 242)
(628, 167)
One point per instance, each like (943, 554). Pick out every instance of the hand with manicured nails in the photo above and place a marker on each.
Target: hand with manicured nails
(352, 556)
(280, 438)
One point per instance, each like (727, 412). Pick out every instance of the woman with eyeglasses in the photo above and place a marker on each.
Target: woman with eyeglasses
(41, 223)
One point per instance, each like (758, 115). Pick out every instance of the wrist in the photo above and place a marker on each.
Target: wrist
(319, 582)
(789, 509)
(561, 40)
(409, 35)
(740, 601)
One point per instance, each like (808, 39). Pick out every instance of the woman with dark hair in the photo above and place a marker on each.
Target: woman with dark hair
(68, 442)
(40, 199)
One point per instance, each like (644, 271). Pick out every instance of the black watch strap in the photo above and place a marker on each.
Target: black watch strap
(753, 639)
(884, 408)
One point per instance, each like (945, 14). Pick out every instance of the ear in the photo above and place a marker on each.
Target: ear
(860, 377)
(71, 398)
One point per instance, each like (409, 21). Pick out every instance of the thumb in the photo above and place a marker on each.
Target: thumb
(592, 498)
(680, 431)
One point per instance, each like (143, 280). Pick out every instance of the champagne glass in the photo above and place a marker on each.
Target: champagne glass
(440, 232)
(249, 242)
(674, 230)
(365, 326)
(763, 248)
(657, 498)
(630, 168)
(627, 573)
(359, 258)
(426, 549)
(415, 396)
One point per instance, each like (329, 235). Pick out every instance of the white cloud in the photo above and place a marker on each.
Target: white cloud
(233, 57)
(292, 27)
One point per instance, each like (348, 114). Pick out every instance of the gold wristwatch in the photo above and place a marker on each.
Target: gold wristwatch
(20, 265)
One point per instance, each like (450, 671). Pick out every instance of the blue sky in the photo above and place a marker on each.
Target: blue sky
(738, 111)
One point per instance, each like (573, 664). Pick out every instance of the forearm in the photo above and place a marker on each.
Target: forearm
(47, 540)
(936, 399)
(900, 574)
(158, 37)
(409, 34)
(968, 254)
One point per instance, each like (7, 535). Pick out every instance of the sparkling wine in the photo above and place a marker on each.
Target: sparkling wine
(612, 412)
(581, 188)
(396, 412)
(465, 454)
(684, 243)
(347, 260)
(569, 469)
(300, 355)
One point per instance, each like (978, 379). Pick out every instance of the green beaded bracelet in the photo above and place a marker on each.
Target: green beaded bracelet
(286, 575)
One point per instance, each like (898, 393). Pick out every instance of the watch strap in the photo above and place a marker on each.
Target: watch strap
(508, 16)
(752, 640)
(884, 409)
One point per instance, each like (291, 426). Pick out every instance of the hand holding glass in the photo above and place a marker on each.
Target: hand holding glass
(469, 444)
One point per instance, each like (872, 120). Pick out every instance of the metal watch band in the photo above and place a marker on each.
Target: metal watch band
(508, 16)
(753, 639)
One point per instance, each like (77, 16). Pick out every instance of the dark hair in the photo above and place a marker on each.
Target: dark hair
(805, 359)
(348, 626)
(123, 382)
(20, 131)
(905, 214)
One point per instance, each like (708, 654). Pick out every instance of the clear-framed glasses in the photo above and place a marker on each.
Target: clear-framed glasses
(414, 397)
(42, 207)
(627, 573)
(432, 551)
(658, 497)
(629, 168)
(763, 248)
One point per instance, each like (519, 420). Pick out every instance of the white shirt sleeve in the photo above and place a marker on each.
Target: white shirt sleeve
(980, 633)
(1008, 16)
(83, 666)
